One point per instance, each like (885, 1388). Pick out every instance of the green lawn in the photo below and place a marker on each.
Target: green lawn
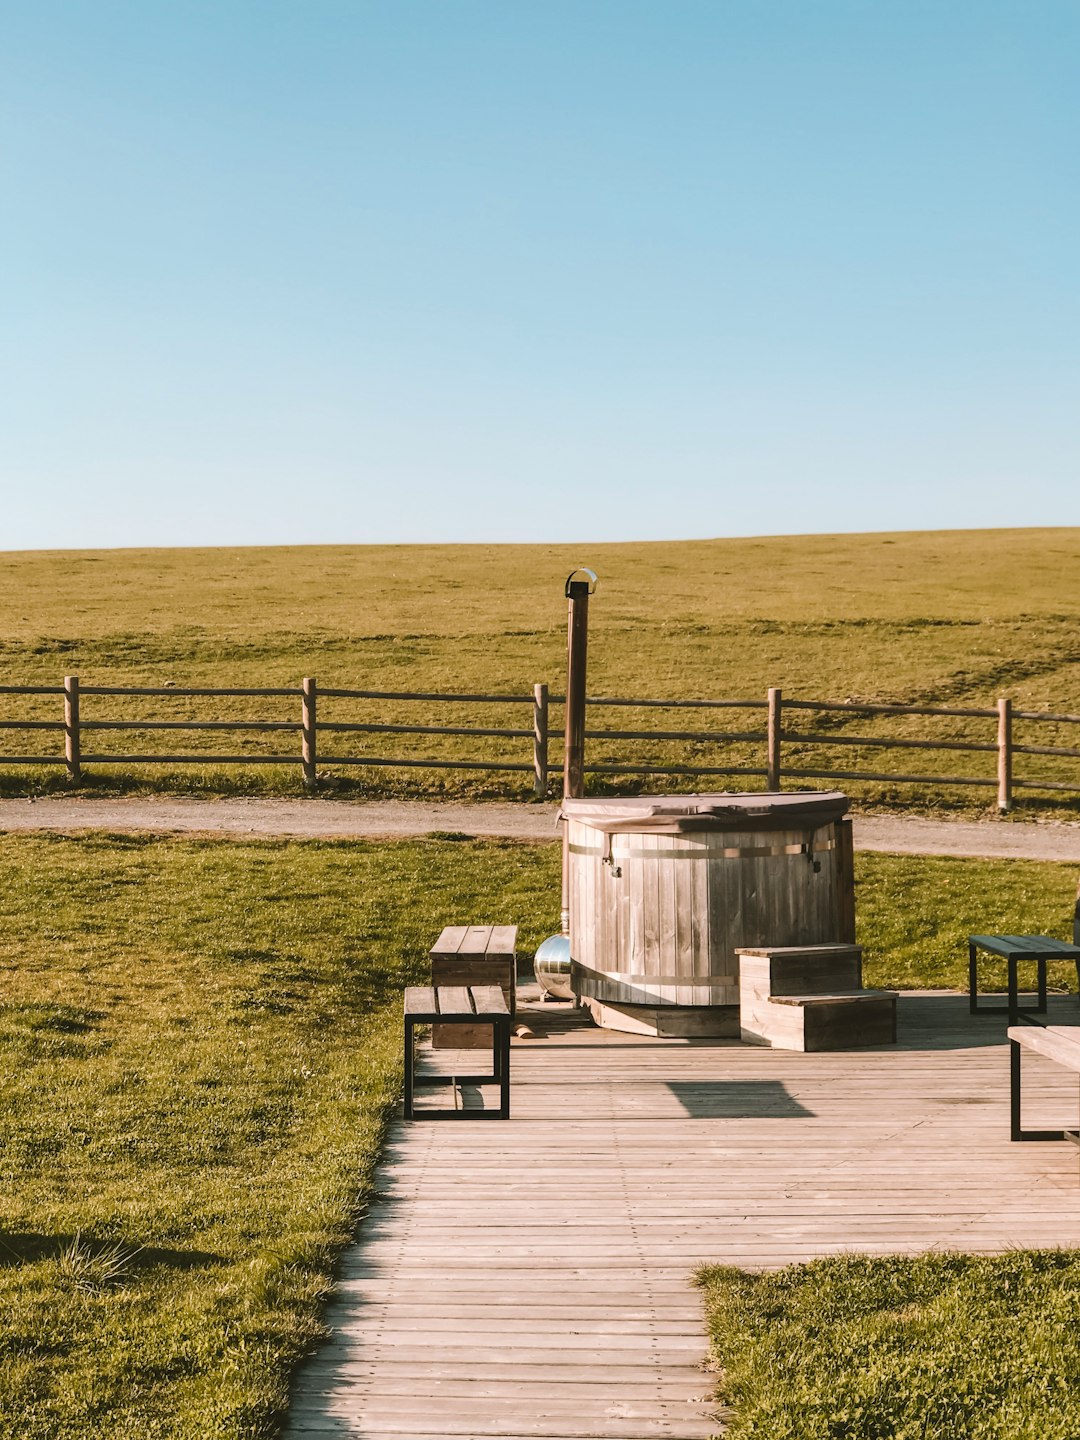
(937, 618)
(936, 1347)
(199, 1044)
(915, 912)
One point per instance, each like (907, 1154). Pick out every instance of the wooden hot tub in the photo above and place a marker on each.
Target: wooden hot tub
(663, 889)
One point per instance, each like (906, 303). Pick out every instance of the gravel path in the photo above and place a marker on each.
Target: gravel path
(909, 835)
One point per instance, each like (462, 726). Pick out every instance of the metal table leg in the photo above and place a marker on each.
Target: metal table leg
(410, 1063)
(1018, 1133)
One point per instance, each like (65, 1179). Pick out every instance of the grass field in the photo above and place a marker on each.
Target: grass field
(199, 1044)
(939, 1347)
(938, 618)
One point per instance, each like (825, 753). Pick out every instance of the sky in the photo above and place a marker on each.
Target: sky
(514, 270)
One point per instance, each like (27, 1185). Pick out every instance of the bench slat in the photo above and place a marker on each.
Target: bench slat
(1056, 1042)
(503, 940)
(450, 940)
(489, 1000)
(420, 1000)
(453, 999)
(477, 940)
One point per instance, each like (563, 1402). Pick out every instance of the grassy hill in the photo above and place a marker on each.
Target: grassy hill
(936, 618)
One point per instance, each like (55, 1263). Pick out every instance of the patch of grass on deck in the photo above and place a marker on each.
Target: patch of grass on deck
(935, 1347)
(199, 1044)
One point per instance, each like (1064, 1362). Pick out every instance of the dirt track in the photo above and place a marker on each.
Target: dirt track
(912, 835)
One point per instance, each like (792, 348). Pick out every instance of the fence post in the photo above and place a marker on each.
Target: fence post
(772, 764)
(540, 740)
(1005, 755)
(308, 751)
(72, 738)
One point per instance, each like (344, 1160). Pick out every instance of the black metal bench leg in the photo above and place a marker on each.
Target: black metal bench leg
(502, 1048)
(1018, 1133)
(1015, 1009)
(973, 979)
(1014, 1090)
(410, 1061)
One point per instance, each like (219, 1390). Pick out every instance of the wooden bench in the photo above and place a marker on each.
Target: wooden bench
(1060, 1043)
(1039, 949)
(463, 1007)
(811, 997)
(473, 955)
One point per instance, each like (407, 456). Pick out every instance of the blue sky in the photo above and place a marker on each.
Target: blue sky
(491, 270)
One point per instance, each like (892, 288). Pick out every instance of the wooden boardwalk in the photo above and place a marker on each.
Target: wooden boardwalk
(532, 1278)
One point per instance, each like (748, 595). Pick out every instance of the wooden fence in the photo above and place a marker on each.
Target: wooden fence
(536, 732)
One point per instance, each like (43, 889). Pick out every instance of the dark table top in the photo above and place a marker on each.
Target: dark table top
(1035, 947)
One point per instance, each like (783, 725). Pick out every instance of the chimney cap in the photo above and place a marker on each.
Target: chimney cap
(582, 576)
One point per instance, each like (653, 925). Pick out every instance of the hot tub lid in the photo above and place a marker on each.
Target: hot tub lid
(767, 810)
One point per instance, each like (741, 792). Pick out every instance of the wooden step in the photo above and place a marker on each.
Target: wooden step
(801, 969)
(838, 997)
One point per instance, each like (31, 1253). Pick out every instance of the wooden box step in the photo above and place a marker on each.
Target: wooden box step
(473, 955)
(821, 1022)
(803, 969)
(811, 998)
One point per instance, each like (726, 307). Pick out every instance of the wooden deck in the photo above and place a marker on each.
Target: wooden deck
(532, 1278)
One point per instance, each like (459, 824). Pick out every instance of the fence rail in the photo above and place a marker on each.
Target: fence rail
(531, 736)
